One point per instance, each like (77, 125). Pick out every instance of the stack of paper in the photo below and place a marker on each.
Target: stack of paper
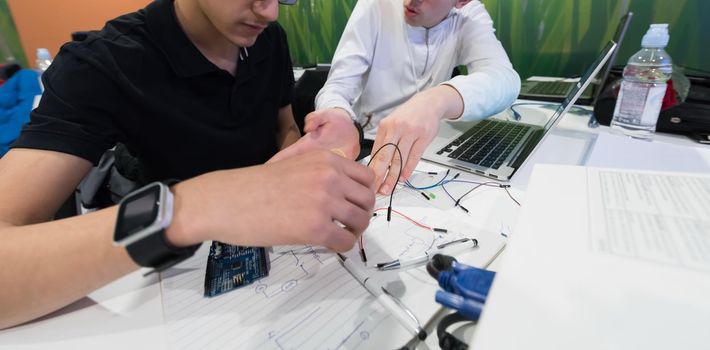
(605, 259)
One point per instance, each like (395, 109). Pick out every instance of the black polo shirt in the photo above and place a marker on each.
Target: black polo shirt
(141, 82)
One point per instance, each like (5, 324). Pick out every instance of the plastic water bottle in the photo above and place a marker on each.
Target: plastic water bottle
(44, 59)
(644, 86)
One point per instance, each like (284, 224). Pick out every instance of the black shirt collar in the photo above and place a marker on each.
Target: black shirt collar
(185, 59)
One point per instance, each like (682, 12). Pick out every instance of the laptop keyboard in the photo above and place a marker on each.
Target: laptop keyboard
(487, 143)
(550, 88)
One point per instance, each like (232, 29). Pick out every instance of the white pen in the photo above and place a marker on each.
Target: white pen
(393, 305)
(448, 248)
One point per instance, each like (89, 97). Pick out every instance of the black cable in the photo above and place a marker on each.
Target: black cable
(447, 192)
(477, 186)
(438, 263)
(454, 199)
(389, 209)
(446, 340)
(511, 196)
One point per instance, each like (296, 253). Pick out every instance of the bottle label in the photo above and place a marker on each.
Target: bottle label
(640, 102)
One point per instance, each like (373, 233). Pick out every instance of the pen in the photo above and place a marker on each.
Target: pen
(448, 248)
(393, 305)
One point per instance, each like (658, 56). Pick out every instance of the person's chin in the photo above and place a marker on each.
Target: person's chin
(245, 38)
(412, 21)
(244, 41)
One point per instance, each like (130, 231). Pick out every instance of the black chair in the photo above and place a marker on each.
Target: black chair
(8, 70)
(305, 92)
(79, 36)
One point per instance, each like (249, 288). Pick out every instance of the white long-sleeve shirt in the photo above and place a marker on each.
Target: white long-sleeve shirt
(381, 62)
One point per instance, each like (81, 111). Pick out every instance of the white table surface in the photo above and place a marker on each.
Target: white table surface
(128, 312)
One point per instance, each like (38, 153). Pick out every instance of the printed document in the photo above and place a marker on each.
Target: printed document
(604, 259)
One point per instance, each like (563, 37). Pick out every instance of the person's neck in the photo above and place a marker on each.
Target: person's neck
(203, 34)
(439, 21)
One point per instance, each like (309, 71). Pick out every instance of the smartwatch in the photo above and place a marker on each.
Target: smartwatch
(143, 217)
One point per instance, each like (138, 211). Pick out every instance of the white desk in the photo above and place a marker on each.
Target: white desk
(570, 143)
(128, 313)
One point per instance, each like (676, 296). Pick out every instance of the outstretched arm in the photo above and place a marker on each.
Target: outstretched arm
(351, 60)
(288, 132)
(412, 127)
(49, 264)
(329, 129)
(490, 86)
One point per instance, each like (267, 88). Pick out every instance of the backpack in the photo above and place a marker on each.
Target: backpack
(116, 175)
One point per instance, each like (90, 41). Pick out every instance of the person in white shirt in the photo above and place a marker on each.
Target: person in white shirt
(391, 73)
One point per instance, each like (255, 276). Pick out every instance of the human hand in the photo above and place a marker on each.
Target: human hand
(298, 200)
(412, 127)
(330, 129)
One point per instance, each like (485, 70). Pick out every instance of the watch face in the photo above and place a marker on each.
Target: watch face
(137, 212)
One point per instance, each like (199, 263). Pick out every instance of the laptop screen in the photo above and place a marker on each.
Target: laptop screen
(618, 38)
(582, 84)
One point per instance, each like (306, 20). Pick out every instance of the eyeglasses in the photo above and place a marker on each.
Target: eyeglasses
(287, 2)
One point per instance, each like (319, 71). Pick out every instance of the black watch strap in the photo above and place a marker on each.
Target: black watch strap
(156, 252)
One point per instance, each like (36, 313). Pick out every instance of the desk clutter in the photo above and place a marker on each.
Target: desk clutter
(309, 300)
(688, 116)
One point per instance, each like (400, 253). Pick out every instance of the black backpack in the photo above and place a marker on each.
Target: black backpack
(116, 175)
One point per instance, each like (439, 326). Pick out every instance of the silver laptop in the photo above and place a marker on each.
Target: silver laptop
(497, 148)
(557, 90)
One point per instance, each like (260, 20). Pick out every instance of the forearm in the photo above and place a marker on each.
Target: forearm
(351, 60)
(288, 132)
(196, 220)
(49, 265)
(491, 84)
(443, 100)
(258, 205)
(487, 90)
(334, 95)
(289, 136)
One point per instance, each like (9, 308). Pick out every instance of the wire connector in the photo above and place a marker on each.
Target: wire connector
(362, 255)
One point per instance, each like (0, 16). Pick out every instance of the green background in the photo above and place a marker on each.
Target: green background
(10, 47)
(542, 37)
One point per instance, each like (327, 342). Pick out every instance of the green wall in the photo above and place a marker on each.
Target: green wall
(542, 37)
(10, 47)
(314, 28)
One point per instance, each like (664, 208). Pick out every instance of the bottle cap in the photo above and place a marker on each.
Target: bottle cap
(656, 36)
(43, 54)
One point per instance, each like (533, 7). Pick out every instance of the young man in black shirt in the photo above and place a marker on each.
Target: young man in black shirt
(200, 90)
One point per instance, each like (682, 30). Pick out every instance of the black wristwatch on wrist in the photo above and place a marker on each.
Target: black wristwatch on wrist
(143, 217)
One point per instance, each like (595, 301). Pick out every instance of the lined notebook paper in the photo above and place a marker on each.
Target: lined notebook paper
(306, 293)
